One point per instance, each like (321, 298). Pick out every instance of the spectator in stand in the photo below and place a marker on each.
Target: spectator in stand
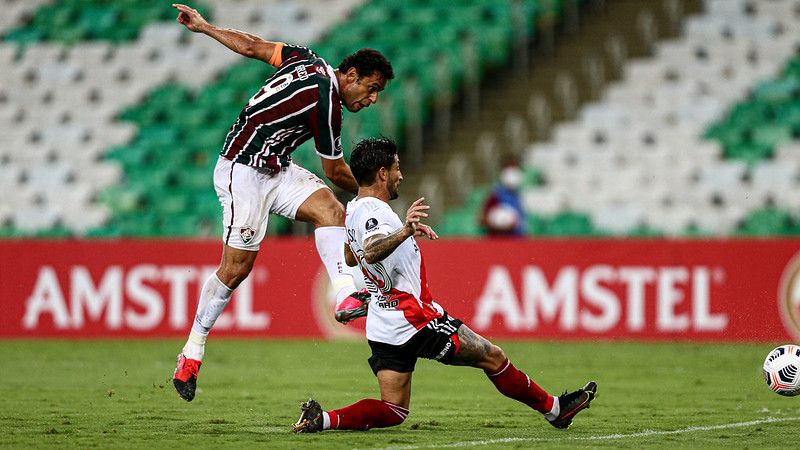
(503, 213)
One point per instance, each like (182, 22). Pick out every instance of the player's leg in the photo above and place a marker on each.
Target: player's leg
(234, 268)
(245, 194)
(311, 201)
(393, 366)
(390, 410)
(476, 351)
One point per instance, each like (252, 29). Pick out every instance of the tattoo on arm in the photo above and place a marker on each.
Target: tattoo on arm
(377, 248)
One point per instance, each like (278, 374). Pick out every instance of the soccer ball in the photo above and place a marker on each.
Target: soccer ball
(782, 370)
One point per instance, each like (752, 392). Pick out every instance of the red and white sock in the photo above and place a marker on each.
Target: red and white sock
(516, 384)
(364, 415)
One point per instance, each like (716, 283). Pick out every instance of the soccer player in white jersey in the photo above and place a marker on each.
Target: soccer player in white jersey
(404, 323)
(255, 175)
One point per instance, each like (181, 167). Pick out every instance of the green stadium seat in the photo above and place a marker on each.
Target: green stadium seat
(134, 154)
(159, 137)
(788, 114)
(749, 152)
(97, 20)
(778, 91)
(460, 222)
(24, 36)
(193, 180)
(537, 224)
(771, 134)
(248, 75)
(124, 199)
(571, 223)
(749, 113)
(769, 221)
(122, 32)
(727, 134)
(277, 225)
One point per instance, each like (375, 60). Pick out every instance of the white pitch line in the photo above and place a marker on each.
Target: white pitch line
(645, 433)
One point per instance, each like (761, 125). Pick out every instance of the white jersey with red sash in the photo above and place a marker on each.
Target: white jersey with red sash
(401, 303)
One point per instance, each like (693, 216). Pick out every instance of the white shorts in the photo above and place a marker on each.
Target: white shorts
(250, 194)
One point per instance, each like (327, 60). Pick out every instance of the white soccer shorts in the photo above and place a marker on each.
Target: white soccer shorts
(250, 194)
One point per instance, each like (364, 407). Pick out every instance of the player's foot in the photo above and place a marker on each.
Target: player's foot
(310, 418)
(185, 378)
(353, 307)
(572, 403)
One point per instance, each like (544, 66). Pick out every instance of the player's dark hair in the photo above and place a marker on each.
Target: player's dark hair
(368, 156)
(367, 61)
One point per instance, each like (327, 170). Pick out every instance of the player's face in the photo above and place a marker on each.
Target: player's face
(393, 179)
(360, 92)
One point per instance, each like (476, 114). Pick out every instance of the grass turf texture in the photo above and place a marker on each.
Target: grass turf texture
(119, 394)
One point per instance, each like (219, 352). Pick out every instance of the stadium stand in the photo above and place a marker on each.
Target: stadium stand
(166, 82)
(676, 147)
(112, 115)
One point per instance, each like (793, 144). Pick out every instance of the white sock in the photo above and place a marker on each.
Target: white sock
(330, 246)
(554, 411)
(326, 421)
(213, 299)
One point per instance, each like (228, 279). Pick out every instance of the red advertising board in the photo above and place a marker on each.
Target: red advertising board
(737, 290)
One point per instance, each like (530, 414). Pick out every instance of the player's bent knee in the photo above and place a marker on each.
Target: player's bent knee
(333, 215)
(496, 355)
(322, 210)
(233, 274)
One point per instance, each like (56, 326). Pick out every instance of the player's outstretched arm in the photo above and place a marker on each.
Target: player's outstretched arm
(241, 42)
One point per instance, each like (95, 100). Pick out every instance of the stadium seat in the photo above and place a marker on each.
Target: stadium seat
(771, 221)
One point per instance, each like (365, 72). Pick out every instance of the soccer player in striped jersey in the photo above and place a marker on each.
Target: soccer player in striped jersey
(255, 175)
(404, 322)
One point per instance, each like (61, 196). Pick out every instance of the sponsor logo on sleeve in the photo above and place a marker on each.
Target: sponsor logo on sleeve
(371, 223)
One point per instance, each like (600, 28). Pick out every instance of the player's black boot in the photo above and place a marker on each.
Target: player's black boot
(310, 418)
(572, 403)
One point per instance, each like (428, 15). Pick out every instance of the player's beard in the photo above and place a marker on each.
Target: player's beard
(393, 191)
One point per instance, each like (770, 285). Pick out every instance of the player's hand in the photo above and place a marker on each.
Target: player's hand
(425, 230)
(190, 18)
(413, 216)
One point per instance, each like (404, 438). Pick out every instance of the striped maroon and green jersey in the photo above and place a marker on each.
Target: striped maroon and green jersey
(299, 102)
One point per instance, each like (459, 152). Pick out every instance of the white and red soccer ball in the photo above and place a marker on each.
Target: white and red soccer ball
(782, 370)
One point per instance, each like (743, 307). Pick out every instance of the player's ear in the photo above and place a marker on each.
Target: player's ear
(352, 75)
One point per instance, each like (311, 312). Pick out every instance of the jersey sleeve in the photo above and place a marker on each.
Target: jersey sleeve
(377, 222)
(277, 55)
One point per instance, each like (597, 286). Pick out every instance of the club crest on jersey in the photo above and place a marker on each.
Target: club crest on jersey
(371, 223)
(247, 234)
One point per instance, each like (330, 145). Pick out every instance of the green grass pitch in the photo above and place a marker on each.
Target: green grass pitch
(118, 394)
